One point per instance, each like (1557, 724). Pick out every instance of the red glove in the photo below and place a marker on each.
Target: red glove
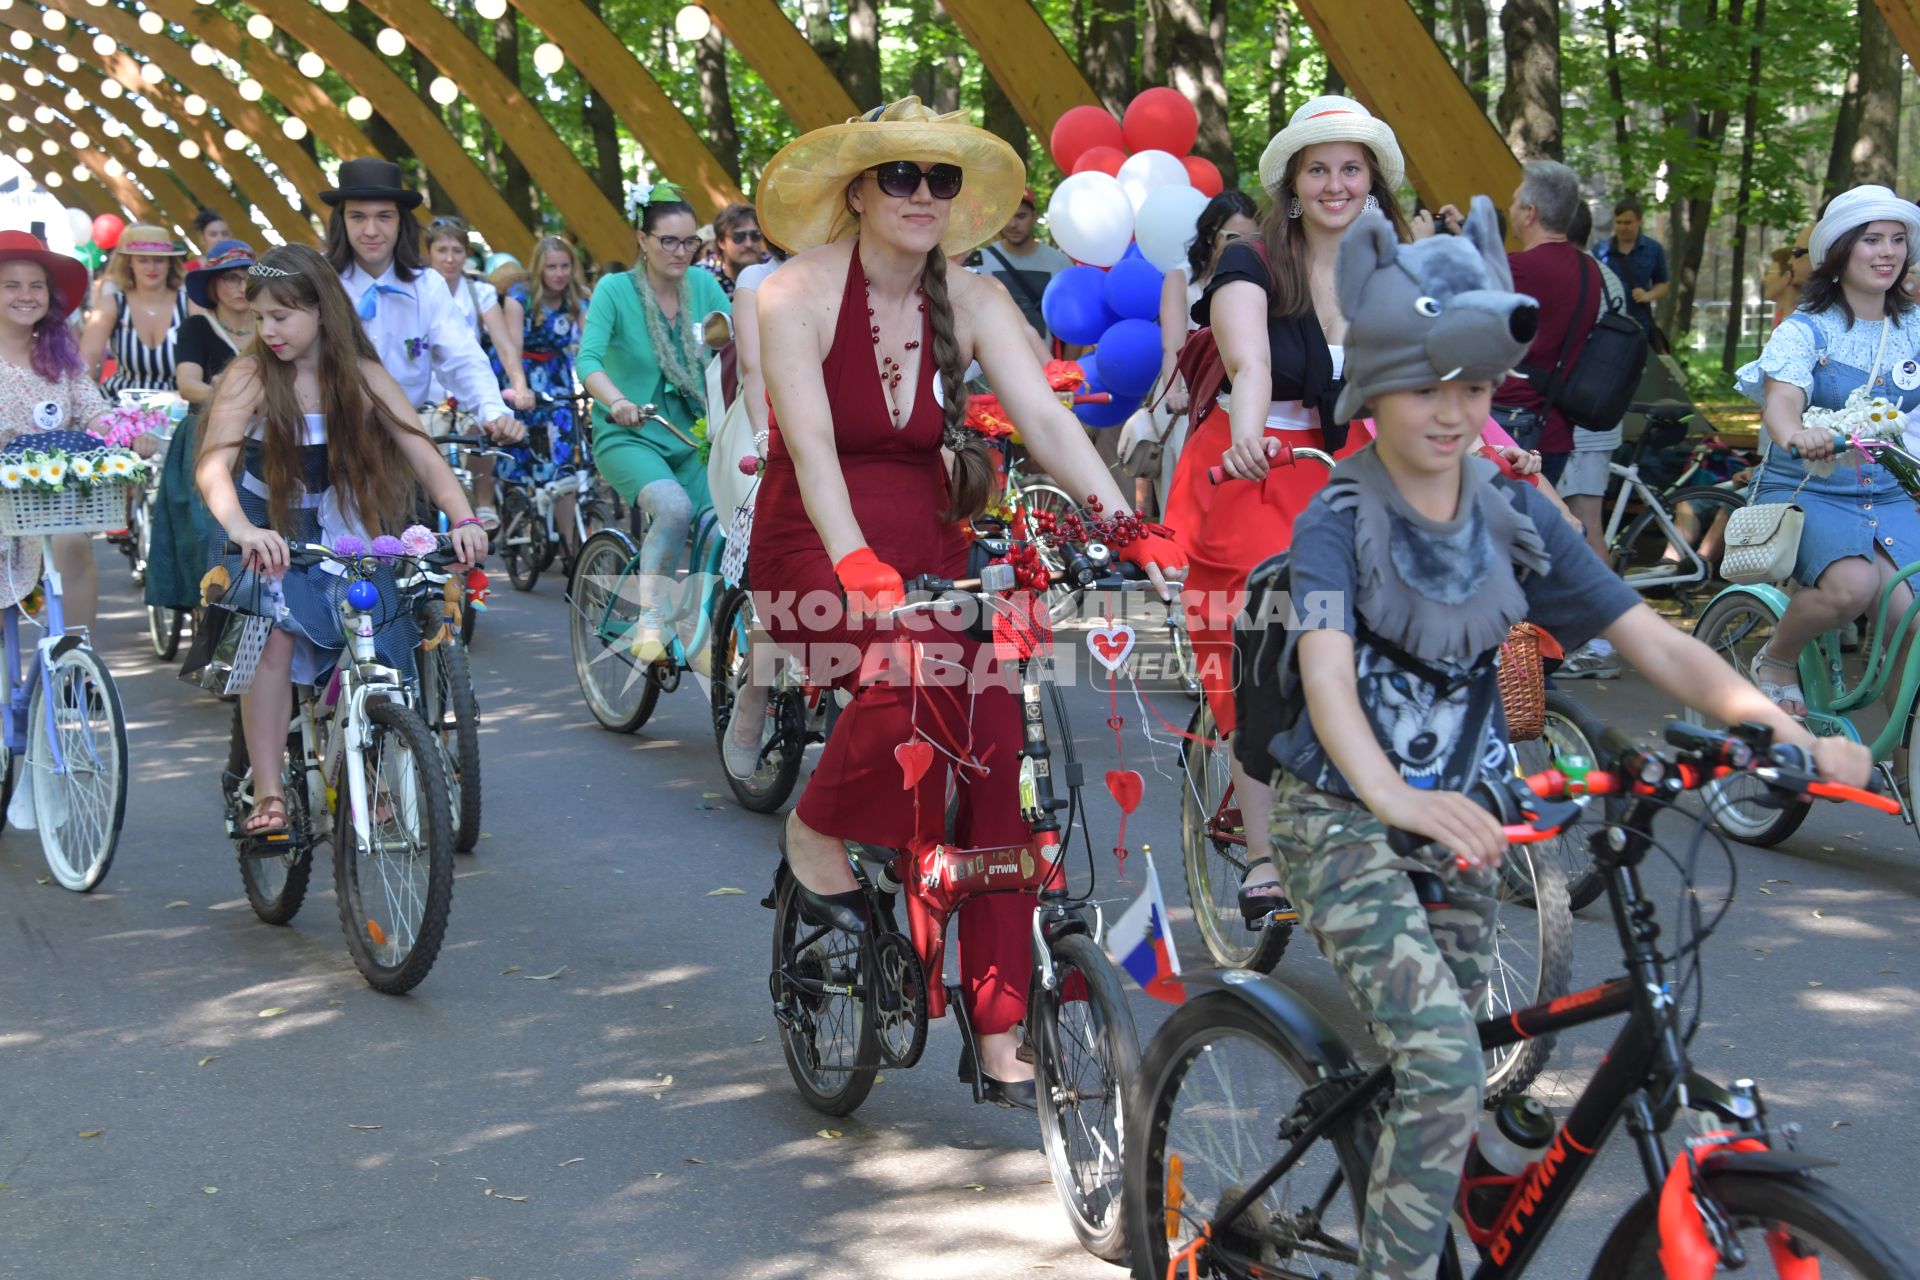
(872, 585)
(1152, 548)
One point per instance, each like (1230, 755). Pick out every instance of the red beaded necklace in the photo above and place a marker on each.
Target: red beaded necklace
(891, 370)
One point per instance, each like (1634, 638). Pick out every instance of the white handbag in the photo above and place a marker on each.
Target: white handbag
(1763, 543)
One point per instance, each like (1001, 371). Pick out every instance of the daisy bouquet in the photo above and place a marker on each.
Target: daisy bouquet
(56, 470)
(1863, 417)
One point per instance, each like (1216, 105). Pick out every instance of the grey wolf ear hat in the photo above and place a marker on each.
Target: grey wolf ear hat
(1433, 311)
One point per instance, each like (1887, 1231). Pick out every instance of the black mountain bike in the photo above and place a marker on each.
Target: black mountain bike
(1252, 1138)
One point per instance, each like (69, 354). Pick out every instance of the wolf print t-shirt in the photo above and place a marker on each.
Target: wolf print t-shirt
(1440, 723)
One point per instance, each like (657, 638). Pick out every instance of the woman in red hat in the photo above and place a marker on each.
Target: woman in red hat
(44, 387)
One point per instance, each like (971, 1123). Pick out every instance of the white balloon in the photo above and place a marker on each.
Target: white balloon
(81, 223)
(1166, 224)
(1091, 218)
(1145, 172)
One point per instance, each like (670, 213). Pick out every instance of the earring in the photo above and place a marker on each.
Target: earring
(1372, 205)
(1293, 207)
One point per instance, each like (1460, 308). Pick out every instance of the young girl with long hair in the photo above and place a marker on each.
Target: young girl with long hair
(44, 386)
(310, 438)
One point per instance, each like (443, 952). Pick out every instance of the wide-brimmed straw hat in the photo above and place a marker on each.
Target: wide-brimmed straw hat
(145, 240)
(69, 275)
(1333, 119)
(802, 196)
(226, 255)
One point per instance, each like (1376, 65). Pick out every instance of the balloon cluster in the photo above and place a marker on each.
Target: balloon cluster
(94, 238)
(1126, 214)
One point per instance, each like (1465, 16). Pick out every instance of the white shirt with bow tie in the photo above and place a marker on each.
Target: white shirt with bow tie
(444, 350)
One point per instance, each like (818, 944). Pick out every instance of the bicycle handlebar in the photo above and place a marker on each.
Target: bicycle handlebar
(303, 554)
(1285, 458)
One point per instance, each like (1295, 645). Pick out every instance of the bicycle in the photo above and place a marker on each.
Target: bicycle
(362, 772)
(848, 1005)
(531, 534)
(1740, 622)
(63, 713)
(1661, 550)
(1269, 1177)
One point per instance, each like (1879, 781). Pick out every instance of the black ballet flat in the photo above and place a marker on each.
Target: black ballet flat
(1262, 907)
(1005, 1093)
(848, 912)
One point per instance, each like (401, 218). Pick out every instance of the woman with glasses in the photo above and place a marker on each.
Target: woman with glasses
(642, 346)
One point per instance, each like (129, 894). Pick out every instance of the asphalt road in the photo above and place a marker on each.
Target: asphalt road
(589, 1084)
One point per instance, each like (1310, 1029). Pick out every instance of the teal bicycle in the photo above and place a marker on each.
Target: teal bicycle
(1740, 622)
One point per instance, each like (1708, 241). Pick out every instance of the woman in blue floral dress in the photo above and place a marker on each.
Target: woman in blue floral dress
(549, 331)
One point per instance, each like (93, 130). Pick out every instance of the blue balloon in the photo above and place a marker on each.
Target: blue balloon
(1075, 306)
(1133, 289)
(1130, 357)
(1111, 414)
(363, 595)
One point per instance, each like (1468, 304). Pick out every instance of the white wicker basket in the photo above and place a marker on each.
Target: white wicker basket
(28, 513)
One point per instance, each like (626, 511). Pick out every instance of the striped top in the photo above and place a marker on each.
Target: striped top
(139, 365)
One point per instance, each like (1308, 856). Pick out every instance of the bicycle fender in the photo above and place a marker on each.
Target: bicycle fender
(1766, 1163)
(1764, 594)
(1287, 1013)
(633, 548)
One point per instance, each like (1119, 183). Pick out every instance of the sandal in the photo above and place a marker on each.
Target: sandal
(269, 817)
(1259, 907)
(1779, 694)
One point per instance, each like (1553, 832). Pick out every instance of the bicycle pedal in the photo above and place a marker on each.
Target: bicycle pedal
(1287, 917)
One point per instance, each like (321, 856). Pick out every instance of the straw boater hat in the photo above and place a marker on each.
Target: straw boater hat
(802, 196)
(145, 240)
(1856, 208)
(69, 275)
(1332, 119)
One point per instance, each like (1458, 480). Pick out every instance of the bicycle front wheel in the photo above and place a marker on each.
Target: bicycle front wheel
(606, 607)
(1086, 1055)
(396, 887)
(80, 790)
(1563, 739)
(163, 630)
(1738, 627)
(1532, 961)
(522, 542)
(1790, 1226)
(1214, 854)
(1222, 1095)
(783, 751)
(447, 705)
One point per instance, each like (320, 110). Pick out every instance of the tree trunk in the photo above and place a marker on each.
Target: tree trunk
(605, 135)
(1277, 56)
(999, 116)
(1710, 132)
(1470, 31)
(716, 101)
(1529, 108)
(1876, 151)
(1153, 61)
(1616, 93)
(516, 187)
(860, 55)
(1192, 36)
(384, 137)
(423, 74)
(1333, 81)
(1749, 124)
(816, 19)
(1107, 51)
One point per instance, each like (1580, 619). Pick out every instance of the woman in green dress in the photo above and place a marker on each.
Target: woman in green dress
(643, 345)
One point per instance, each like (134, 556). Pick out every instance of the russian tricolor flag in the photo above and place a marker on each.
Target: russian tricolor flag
(1141, 943)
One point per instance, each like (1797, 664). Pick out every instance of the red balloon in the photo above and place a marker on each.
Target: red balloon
(1105, 159)
(107, 228)
(1161, 120)
(1081, 129)
(1204, 175)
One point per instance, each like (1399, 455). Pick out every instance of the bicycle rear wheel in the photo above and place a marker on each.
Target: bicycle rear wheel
(276, 885)
(523, 540)
(1790, 1226)
(448, 707)
(163, 630)
(823, 1005)
(396, 888)
(1737, 627)
(1700, 514)
(606, 606)
(1215, 857)
(78, 809)
(1214, 1084)
(1086, 1057)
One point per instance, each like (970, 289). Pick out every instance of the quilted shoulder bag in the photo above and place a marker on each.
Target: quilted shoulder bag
(1763, 542)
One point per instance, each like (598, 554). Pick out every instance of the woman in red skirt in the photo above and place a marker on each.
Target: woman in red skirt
(856, 496)
(1279, 330)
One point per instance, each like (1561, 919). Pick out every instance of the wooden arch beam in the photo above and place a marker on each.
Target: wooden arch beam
(334, 129)
(245, 176)
(203, 185)
(769, 43)
(98, 191)
(1903, 19)
(1021, 52)
(166, 195)
(637, 99)
(549, 162)
(394, 99)
(1392, 65)
(220, 93)
(124, 195)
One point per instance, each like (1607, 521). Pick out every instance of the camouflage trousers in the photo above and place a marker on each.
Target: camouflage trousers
(1420, 976)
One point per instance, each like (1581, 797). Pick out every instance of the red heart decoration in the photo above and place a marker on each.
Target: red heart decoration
(1114, 723)
(1127, 788)
(914, 759)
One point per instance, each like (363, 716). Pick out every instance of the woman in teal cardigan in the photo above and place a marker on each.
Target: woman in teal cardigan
(642, 346)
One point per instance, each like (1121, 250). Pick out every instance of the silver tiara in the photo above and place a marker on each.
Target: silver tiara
(267, 272)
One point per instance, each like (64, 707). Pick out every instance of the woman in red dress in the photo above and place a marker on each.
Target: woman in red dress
(1279, 329)
(856, 496)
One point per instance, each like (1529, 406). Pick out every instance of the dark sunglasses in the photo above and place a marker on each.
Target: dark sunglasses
(744, 237)
(901, 178)
(1799, 251)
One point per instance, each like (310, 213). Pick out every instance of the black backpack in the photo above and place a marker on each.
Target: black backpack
(1596, 391)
